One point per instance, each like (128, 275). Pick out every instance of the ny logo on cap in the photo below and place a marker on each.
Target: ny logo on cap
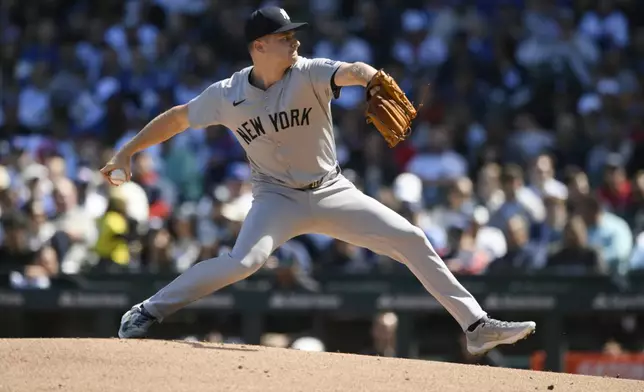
(284, 14)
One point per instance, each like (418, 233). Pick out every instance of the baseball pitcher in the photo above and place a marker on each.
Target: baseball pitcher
(279, 109)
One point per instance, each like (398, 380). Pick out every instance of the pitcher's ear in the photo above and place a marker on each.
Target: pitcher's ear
(260, 46)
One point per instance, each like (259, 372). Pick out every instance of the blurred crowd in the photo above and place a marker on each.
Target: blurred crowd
(526, 155)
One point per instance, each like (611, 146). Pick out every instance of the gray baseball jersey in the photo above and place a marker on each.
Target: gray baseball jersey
(286, 130)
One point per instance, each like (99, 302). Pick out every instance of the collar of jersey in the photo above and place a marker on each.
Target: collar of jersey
(259, 91)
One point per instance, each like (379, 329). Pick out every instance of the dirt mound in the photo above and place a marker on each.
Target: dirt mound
(84, 365)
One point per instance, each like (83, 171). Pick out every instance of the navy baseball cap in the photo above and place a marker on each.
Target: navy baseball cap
(269, 20)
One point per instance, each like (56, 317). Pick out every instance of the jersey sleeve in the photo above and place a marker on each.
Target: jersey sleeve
(204, 109)
(322, 72)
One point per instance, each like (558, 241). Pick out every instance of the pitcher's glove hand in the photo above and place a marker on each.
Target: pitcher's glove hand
(388, 108)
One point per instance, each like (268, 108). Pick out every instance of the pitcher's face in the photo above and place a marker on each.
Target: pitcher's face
(281, 48)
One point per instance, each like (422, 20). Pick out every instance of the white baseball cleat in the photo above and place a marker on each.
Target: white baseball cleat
(491, 333)
(135, 323)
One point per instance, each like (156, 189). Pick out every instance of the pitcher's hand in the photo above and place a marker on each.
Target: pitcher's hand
(118, 161)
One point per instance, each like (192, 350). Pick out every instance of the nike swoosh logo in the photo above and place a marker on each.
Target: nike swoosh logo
(235, 103)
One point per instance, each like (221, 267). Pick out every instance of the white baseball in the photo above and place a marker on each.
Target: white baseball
(118, 176)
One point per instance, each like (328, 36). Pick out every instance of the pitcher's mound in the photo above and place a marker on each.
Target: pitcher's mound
(84, 365)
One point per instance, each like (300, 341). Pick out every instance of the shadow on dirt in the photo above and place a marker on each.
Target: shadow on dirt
(213, 346)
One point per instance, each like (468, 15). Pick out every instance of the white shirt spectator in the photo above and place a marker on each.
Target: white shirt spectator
(95, 204)
(532, 203)
(137, 204)
(492, 240)
(408, 188)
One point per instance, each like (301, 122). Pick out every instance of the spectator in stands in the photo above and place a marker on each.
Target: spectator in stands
(213, 229)
(76, 231)
(473, 244)
(30, 263)
(574, 256)
(292, 267)
(488, 187)
(34, 102)
(528, 141)
(40, 230)
(486, 238)
(465, 258)
(636, 262)
(605, 24)
(184, 248)
(37, 274)
(542, 175)
(159, 192)
(518, 199)
(550, 231)
(5, 186)
(437, 164)
(182, 168)
(615, 192)
(114, 235)
(521, 258)
(608, 233)
(156, 252)
(15, 252)
(235, 191)
(91, 198)
(459, 207)
(342, 256)
(635, 213)
(577, 183)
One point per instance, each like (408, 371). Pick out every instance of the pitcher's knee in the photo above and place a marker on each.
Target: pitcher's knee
(413, 233)
(253, 260)
(415, 236)
(410, 241)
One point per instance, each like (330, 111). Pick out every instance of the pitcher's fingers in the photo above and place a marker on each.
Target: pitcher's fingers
(109, 179)
(105, 172)
(107, 169)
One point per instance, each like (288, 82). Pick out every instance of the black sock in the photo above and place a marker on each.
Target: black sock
(476, 324)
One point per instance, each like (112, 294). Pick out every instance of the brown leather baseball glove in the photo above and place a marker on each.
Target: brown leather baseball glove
(388, 108)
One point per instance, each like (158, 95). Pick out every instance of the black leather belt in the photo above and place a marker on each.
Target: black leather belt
(316, 184)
